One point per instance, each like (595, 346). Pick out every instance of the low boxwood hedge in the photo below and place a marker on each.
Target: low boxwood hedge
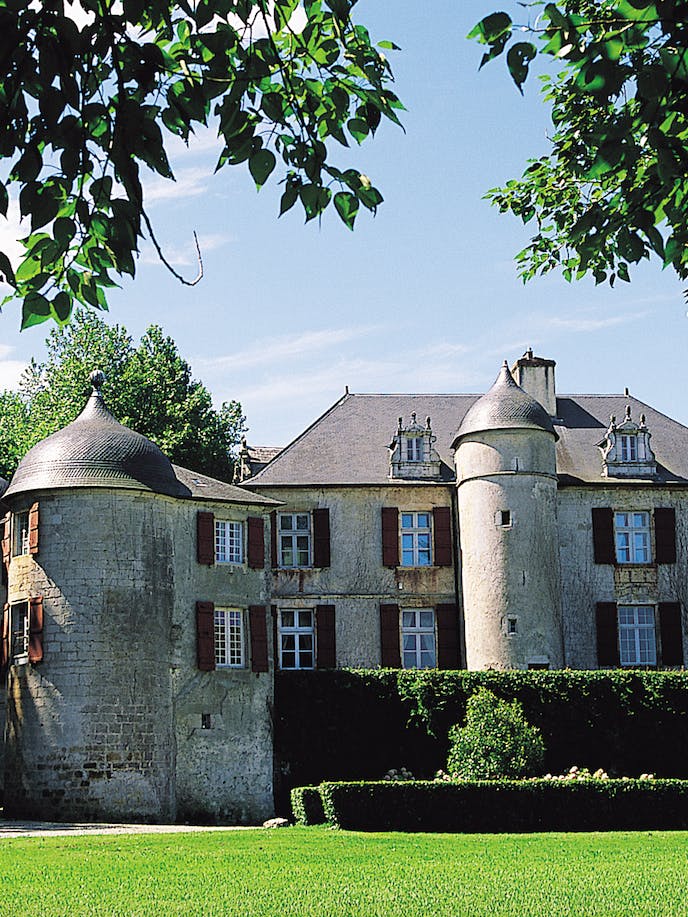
(307, 805)
(503, 805)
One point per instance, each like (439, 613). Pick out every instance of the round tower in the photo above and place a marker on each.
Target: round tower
(89, 731)
(507, 489)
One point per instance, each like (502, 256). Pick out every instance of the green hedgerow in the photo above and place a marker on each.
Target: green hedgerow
(497, 741)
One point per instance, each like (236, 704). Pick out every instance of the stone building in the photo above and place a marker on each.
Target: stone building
(148, 607)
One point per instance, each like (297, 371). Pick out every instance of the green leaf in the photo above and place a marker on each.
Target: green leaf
(260, 165)
(491, 28)
(62, 307)
(346, 205)
(35, 310)
(518, 58)
(6, 269)
(358, 128)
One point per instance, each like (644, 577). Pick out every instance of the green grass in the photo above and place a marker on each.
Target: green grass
(316, 871)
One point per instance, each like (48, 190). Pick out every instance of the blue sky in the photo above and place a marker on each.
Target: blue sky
(422, 298)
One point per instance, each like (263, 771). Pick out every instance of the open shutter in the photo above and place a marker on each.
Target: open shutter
(671, 633)
(33, 529)
(5, 541)
(390, 656)
(447, 636)
(275, 636)
(441, 525)
(603, 535)
(321, 537)
(256, 548)
(665, 535)
(326, 655)
(36, 629)
(273, 539)
(205, 636)
(259, 638)
(205, 538)
(5, 644)
(607, 634)
(390, 536)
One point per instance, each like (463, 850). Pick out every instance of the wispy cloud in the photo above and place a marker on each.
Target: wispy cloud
(190, 182)
(10, 372)
(583, 324)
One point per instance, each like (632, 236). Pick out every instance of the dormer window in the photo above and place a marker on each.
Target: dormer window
(412, 452)
(626, 449)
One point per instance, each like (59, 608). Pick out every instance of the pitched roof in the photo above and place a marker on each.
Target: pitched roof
(202, 487)
(348, 444)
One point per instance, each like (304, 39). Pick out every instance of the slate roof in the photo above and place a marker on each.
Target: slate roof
(348, 444)
(201, 487)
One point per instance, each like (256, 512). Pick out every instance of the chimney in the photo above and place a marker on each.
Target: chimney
(535, 375)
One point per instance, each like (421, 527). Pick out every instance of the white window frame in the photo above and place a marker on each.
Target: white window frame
(628, 447)
(294, 541)
(20, 534)
(637, 635)
(632, 537)
(414, 448)
(417, 651)
(296, 638)
(229, 542)
(230, 638)
(19, 632)
(414, 536)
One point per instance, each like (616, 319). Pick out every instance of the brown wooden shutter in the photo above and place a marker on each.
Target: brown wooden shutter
(33, 529)
(447, 636)
(390, 656)
(671, 633)
(5, 541)
(275, 636)
(390, 536)
(441, 524)
(5, 643)
(256, 544)
(326, 655)
(259, 638)
(321, 537)
(205, 636)
(273, 539)
(665, 535)
(205, 538)
(607, 634)
(36, 629)
(603, 535)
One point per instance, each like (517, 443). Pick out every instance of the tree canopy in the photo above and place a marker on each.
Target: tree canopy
(614, 188)
(149, 388)
(91, 90)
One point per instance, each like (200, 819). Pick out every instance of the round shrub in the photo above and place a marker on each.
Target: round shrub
(497, 741)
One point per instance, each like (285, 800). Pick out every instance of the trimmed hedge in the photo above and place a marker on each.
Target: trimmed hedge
(307, 805)
(492, 806)
(353, 725)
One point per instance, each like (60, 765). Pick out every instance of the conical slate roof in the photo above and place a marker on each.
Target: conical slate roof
(96, 450)
(505, 406)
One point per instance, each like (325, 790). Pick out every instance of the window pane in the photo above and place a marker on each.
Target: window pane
(302, 522)
(288, 641)
(427, 618)
(306, 660)
(288, 660)
(287, 618)
(409, 643)
(423, 520)
(305, 619)
(407, 520)
(286, 523)
(408, 618)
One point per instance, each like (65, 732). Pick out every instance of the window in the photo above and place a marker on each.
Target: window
(20, 534)
(629, 448)
(415, 540)
(418, 638)
(294, 539)
(229, 637)
(19, 632)
(414, 449)
(503, 518)
(229, 542)
(632, 534)
(512, 625)
(637, 644)
(297, 639)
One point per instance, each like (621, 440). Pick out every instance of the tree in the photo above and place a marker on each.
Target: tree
(89, 93)
(614, 188)
(149, 388)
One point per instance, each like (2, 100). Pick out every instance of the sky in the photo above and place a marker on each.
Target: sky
(424, 297)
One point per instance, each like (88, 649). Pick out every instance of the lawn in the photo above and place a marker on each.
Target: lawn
(324, 872)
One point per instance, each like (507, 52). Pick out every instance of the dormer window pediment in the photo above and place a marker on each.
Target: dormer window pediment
(626, 450)
(412, 451)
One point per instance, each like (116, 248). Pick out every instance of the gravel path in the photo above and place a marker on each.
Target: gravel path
(47, 829)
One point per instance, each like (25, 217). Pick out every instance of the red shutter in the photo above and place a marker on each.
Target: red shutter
(256, 548)
(671, 633)
(5, 644)
(5, 541)
(607, 634)
(33, 529)
(665, 535)
(205, 636)
(205, 538)
(603, 536)
(36, 629)
(321, 537)
(390, 656)
(273, 539)
(447, 636)
(441, 524)
(259, 637)
(326, 655)
(390, 536)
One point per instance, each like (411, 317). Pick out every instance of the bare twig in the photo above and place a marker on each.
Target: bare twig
(187, 283)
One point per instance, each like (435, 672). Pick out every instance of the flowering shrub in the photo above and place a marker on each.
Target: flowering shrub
(582, 773)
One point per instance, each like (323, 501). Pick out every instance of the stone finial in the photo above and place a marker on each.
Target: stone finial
(628, 413)
(427, 422)
(97, 379)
